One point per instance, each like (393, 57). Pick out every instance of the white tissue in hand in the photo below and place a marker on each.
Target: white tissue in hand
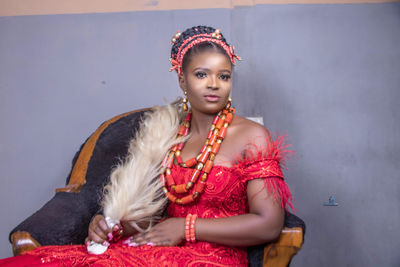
(96, 248)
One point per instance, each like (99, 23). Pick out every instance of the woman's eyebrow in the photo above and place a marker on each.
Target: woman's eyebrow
(201, 68)
(207, 69)
(225, 70)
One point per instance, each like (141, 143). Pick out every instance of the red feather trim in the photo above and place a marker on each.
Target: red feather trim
(267, 163)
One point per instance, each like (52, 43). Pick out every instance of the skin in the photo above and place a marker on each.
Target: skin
(209, 73)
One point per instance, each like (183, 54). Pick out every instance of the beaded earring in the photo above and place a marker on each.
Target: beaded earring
(229, 103)
(184, 103)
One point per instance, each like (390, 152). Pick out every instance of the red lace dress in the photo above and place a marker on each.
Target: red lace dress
(224, 195)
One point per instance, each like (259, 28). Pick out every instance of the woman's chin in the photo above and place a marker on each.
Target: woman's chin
(211, 108)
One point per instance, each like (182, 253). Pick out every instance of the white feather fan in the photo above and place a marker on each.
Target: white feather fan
(134, 193)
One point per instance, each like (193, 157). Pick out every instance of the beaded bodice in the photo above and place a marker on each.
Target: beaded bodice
(224, 194)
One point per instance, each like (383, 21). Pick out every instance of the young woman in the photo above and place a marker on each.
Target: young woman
(228, 196)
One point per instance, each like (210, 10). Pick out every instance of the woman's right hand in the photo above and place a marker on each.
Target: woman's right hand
(99, 231)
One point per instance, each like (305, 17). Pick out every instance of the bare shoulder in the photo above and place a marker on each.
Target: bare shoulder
(245, 132)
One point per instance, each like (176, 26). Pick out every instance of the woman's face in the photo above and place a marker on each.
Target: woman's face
(207, 81)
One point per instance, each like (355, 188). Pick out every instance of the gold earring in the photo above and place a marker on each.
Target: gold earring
(184, 103)
(229, 104)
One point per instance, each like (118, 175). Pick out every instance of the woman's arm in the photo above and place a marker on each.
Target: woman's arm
(262, 224)
(265, 219)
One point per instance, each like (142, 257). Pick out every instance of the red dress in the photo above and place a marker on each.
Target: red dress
(224, 195)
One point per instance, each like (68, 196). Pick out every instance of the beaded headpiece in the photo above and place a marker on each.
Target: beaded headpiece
(213, 37)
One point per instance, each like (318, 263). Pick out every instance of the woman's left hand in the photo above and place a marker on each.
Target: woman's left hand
(166, 233)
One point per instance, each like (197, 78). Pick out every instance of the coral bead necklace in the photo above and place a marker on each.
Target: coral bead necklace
(202, 163)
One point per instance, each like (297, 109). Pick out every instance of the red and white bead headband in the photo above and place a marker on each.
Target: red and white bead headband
(214, 37)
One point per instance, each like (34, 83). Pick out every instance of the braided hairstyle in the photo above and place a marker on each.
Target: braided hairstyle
(196, 33)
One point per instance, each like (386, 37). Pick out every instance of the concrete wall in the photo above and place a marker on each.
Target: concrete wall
(328, 75)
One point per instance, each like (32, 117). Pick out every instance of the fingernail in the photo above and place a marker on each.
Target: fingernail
(126, 241)
(149, 244)
(110, 236)
(88, 243)
(106, 244)
(132, 244)
(116, 227)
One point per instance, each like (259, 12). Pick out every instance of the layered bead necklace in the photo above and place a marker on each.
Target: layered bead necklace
(202, 163)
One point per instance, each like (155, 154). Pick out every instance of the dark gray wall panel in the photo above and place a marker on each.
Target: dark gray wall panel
(329, 76)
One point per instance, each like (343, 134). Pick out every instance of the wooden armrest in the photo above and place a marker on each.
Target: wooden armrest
(279, 253)
(70, 188)
(22, 242)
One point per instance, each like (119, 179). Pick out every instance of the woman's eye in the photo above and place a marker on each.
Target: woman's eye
(200, 74)
(225, 77)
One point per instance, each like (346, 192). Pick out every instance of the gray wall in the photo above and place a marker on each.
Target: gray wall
(328, 75)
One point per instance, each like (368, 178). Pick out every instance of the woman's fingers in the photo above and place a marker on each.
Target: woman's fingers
(153, 238)
(166, 243)
(100, 234)
(170, 232)
(99, 230)
(96, 238)
(102, 224)
(162, 243)
(140, 239)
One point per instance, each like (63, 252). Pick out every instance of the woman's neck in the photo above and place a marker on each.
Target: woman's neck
(201, 123)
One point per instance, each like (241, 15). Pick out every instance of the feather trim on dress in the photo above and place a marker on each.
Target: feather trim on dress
(267, 163)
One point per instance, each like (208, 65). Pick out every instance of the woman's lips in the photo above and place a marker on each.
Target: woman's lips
(212, 98)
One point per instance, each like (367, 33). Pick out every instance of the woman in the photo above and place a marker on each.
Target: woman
(232, 196)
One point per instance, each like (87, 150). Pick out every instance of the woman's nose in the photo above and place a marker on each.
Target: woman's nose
(212, 82)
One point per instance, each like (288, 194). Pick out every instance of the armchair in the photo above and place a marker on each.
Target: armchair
(65, 218)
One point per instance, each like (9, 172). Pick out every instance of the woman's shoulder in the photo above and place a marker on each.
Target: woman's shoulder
(250, 130)
(248, 134)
